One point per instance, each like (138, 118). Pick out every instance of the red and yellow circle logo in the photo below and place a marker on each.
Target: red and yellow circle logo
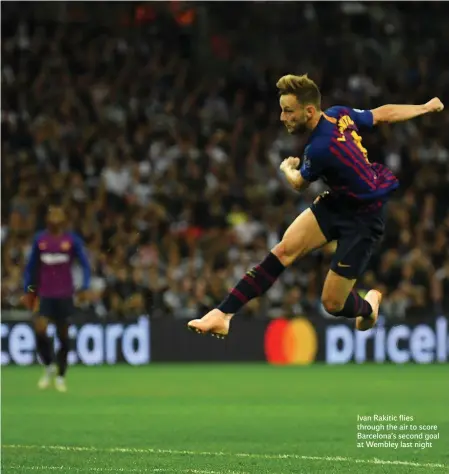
(291, 342)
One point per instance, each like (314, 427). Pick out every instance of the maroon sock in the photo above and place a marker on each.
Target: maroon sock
(255, 283)
(62, 358)
(355, 306)
(44, 348)
(63, 336)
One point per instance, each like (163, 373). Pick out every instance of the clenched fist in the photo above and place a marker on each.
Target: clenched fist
(434, 105)
(293, 175)
(290, 163)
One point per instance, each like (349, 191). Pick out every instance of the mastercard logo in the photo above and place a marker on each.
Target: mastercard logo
(291, 342)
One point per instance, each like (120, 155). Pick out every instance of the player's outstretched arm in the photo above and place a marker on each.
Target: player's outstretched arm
(392, 113)
(82, 257)
(30, 295)
(290, 168)
(31, 267)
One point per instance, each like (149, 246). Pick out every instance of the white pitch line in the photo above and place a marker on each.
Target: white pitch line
(375, 461)
(17, 467)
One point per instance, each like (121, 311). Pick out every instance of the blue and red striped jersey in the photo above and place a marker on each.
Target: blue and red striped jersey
(49, 266)
(335, 154)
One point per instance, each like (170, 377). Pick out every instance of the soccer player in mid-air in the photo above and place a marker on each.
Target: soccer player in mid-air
(352, 213)
(49, 291)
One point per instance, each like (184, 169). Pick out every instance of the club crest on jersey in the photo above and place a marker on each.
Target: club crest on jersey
(65, 245)
(42, 245)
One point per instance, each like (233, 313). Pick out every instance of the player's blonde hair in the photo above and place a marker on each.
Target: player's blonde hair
(305, 90)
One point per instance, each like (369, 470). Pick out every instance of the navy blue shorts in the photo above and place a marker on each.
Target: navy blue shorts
(56, 309)
(357, 233)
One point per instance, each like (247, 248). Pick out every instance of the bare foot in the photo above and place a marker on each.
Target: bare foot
(215, 323)
(374, 298)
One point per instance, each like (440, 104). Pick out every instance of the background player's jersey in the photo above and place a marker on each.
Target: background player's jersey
(335, 154)
(49, 267)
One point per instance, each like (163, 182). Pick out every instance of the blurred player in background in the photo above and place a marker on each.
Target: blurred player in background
(352, 213)
(49, 291)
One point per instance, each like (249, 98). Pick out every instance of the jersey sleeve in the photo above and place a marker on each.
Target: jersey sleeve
(362, 118)
(82, 258)
(313, 163)
(31, 267)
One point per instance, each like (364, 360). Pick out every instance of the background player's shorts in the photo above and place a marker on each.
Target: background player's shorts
(56, 309)
(357, 234)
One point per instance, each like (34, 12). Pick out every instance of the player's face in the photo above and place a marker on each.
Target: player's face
(55, 216)
(294, 116)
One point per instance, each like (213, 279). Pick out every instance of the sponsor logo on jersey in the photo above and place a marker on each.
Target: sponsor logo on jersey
(55, 258)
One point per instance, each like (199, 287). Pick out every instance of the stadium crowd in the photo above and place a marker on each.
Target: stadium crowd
(165, 153)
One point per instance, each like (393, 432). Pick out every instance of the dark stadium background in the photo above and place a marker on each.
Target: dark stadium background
(157, 126)
(164, 143)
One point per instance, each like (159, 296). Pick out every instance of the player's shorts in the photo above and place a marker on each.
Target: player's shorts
(357, 233)
(55, 309)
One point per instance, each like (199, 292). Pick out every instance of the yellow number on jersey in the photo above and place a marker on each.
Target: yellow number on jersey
(345, 122)
(358, 143)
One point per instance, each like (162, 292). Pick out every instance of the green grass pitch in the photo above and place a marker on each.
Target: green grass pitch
(219, 419)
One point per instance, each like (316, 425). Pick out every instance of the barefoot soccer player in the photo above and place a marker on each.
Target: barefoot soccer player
(351, 213)
(49, 291)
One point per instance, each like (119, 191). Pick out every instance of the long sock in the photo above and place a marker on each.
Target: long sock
(254, 283)
(44, 348)
(62, 354)
(355, 306)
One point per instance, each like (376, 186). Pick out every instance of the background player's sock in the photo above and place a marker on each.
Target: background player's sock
(255, 283)
(62, 356)
(355, 306)
(44, 349)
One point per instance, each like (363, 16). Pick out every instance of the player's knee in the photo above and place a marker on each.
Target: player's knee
(40, 332)
(286, 252)
(40, 326)
(332, 304)
(281, 251)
